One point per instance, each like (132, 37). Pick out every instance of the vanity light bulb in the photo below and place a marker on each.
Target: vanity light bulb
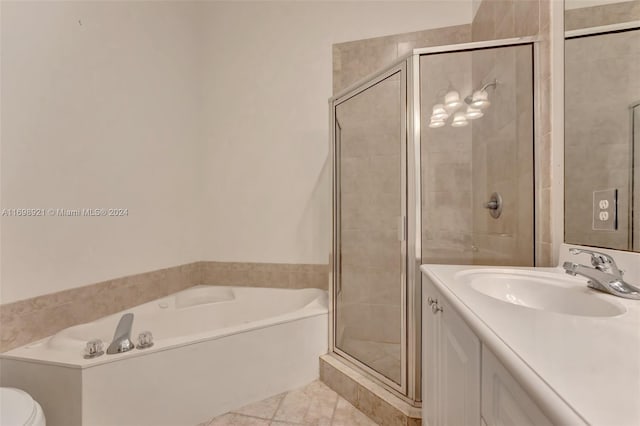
(459, 120)
(473, 113)
(439, 113)
(480, 99)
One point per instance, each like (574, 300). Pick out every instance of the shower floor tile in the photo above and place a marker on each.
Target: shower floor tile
(381, 356)
(313, 405)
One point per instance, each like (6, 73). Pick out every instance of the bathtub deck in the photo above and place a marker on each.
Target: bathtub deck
(315, 404)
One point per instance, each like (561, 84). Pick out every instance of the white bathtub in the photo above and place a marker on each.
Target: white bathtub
(216, 348)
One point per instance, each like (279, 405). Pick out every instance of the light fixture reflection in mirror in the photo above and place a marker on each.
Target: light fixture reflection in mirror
(476, 103)
(434, 124)
(439, 113)
(480, 99)
(452, 100)
(473, 113)
(459, 120)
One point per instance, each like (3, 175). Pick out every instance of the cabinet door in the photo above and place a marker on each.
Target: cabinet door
(459, 370)
(430, 347)
(504, 402)
(451, 365)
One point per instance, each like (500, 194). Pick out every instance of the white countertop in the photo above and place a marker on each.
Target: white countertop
(591, 363)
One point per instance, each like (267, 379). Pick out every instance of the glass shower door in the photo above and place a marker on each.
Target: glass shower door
(477, 140)
(370, 153)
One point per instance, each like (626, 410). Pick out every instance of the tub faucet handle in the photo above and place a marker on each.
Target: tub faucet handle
(94, 349)
(145, 340)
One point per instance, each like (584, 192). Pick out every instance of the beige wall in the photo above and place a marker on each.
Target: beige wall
(208, 121)
(100, 109)
(269, 75)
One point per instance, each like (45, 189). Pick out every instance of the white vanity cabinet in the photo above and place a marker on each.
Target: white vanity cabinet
(463, 382)
(451, 364)
(504, 402)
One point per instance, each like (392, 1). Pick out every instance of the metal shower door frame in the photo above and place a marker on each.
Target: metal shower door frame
(410, 389)
(335, 285)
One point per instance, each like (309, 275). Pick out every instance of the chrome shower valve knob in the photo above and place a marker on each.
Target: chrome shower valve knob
(145, 340)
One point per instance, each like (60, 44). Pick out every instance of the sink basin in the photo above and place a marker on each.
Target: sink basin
(545, 291)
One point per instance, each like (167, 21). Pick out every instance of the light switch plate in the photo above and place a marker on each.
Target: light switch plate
(605, 210)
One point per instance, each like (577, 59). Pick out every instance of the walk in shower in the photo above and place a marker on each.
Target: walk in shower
(433, 162)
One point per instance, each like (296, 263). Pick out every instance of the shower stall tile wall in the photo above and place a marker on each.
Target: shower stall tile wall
(355, 60)
(598, 16)
(496, 19)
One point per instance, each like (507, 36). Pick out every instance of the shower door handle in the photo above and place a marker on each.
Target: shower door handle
(402, 228)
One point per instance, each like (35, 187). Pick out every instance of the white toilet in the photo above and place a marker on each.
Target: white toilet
(17, 408)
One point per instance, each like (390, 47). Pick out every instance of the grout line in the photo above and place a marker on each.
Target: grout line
(335, 407)
(248, 415)
(273, 417)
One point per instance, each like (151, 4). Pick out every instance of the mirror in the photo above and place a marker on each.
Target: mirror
(602, 123)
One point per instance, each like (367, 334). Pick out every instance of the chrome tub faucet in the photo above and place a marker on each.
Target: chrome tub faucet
(604, 275)
(122, 337)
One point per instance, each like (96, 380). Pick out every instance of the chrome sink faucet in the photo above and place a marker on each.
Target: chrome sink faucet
(122, 337)
(604, 275)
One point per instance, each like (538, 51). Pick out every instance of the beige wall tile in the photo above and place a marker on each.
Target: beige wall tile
(505, 19)
(602, 15)
(265, 275)
(379, 410)
(411, 421)
(353, 61)
(483, 25)
(32, 319)
(530, 17)
(339, 382)
(527, 17)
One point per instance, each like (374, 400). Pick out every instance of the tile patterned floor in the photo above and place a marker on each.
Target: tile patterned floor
(312, 405)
